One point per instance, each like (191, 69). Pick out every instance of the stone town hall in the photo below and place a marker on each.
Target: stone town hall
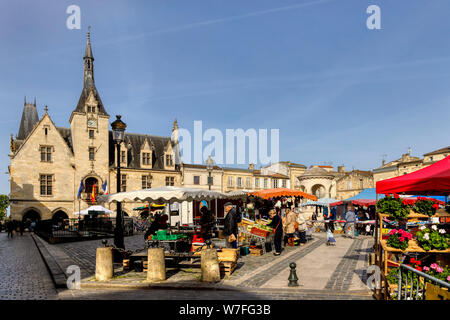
(48, 163)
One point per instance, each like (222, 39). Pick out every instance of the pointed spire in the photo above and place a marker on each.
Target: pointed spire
(175, 125)
(88, 52)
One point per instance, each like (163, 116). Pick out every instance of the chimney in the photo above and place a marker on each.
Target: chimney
(251, 166)
(383, 163)
(341, 169)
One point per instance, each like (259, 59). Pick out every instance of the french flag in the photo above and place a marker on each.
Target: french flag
(105, 187)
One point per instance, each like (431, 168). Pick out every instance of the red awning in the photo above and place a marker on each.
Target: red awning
(282, 192)
(432, 180)
(359, 202)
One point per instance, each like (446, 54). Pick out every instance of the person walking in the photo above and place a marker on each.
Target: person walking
(230, 225)
(10, 228)
(277, 226)
(301, 220)
(350, 218)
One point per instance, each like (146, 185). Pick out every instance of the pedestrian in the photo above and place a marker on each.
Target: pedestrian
(153, 227)
(350, 218)
(230, 225)
(301, 220)
(10, 228)
(207, 222)
(21, 227)
(277, 226)
(329, 226)
(290, 227)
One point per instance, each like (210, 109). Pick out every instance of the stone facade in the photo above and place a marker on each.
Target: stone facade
(407, 164)
(49, 163)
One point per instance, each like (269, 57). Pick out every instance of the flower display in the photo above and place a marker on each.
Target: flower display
(433, 238)
(437, 271)
(399, 239)
(394, 206)
(425, 206)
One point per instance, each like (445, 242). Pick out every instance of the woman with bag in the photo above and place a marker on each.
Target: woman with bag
(301, 227)
(277, 226)
(290, 226)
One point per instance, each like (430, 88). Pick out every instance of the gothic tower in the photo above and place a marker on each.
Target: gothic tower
(89, 124)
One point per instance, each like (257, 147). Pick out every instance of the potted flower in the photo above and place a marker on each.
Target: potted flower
(432, 238)
(399, 239)
(425, 206)
(434, 270)
(394, 206)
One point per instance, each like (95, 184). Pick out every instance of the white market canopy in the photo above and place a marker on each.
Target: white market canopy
(93, 208)
(238, 194)
(324, 202)
(163, 195)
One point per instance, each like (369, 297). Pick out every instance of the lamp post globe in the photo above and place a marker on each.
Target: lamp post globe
(118, 130)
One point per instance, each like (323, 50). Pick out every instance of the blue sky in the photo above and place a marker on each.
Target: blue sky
(337, 91)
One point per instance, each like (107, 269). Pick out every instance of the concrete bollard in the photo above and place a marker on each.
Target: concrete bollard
(104, 267)
(210, 266)
(156, 269)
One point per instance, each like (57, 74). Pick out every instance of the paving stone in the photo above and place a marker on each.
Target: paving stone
(23, 274)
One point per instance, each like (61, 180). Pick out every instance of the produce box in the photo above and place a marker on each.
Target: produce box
(259, 232)
(228, 254)
(256, 252)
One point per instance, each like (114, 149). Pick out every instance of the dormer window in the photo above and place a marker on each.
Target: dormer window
(91, 109)
(169, 160)
(146, 158)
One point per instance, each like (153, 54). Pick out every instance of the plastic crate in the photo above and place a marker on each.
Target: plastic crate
(259, 232)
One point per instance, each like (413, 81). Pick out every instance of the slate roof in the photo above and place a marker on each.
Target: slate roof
(67, 136)
(90, 86)
(135, 142)
(29, 119)
(443, 150)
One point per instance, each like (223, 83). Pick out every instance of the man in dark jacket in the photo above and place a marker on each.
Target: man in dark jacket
(277, 225)
(207, 222)
(230, 225)
(10, 228)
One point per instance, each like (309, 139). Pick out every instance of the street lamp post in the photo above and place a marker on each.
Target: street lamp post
(118, 129)
(209, 167)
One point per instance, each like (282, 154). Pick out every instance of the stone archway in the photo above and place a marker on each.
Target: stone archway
(59, 216)
(89, 184)
(318, 190)
(31, 215)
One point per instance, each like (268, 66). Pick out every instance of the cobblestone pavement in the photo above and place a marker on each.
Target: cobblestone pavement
(83, 252)
(23, 274)
(342, 276)
(263, 276)
(180, 294)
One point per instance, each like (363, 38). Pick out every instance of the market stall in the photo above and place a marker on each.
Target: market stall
(176, 240)
(364, 202)
(413, 231)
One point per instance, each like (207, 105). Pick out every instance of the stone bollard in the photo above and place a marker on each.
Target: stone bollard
(156, 269)
(293, 279)
(210, 266)
(104, 267)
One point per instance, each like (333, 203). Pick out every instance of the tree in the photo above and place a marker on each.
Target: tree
(4, 204)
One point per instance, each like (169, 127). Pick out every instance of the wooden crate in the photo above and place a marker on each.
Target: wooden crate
(145, 266)
(227, 268)
(256, 252)
(228, 254)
